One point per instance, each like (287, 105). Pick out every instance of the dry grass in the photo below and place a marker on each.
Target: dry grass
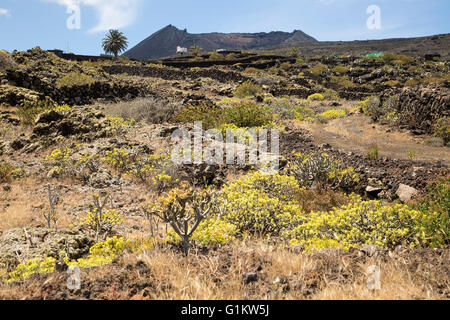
(22, 205)
(163, 273)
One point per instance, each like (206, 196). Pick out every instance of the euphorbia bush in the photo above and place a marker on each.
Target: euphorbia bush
(362, 222)
(260, 203)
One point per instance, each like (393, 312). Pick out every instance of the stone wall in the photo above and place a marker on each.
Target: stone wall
(77, 94)
(418, 107)
(176, 74)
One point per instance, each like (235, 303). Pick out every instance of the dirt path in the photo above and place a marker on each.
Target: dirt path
(357, 133)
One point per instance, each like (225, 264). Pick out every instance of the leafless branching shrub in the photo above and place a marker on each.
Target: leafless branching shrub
(51, 214)
(184, 210)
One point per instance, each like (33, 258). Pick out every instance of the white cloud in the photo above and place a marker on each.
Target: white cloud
(112, 14)
(4, 12)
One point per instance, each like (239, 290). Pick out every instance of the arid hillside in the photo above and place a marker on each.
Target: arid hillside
(107, 180)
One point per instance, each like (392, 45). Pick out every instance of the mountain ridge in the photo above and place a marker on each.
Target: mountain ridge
(163, 43)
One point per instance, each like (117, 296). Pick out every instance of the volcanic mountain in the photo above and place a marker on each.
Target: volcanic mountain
(164, 42)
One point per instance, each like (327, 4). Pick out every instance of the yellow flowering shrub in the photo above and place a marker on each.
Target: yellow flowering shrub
(62, 109)
(60, 157)
(260, 202)
(321, 168)
(26, 269)
(316, 97)
(228, 101)
(242, 134)
(333, 114)
(109, 218)
(304, 113)
(101, 253)
(63, 161)
(359, 223)
(184, 208)
(133, 162)
(120, 125)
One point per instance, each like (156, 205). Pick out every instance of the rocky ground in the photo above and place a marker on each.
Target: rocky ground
(124, 105)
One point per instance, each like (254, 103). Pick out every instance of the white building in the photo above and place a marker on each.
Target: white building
(181, 50)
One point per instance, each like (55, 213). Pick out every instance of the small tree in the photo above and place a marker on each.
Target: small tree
(115, 42)
(51, 215)
(293, 52)
(183, 209)
(195, 50)
(101, 220)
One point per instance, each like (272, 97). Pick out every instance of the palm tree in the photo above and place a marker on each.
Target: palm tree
(195, 50)
(115, 42)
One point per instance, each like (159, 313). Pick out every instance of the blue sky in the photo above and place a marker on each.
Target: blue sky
(28, 23)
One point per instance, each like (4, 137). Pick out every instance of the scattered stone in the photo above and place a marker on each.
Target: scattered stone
(281, 280)
(249, 277)
(371, 250)
(406, 193)
(373, 191)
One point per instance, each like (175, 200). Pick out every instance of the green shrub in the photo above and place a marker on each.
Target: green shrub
(318, 69)
(391, 83)
(442, 129)
(285, 66)
(283, 108)
(293, 52)
(60, 160)
(330, 94)
(30, 111)
(304, 113)
(342, 81)
(195, 50)
(242, 115)
(436, 207)
(74, 78)
(210, 116)
(372, 152)
(372, 107)
(6, 171)
(321, 170)
(215, 56)
(402, 60)
(360, 223)
(411, 154)
(153, 168)
(387, 57)
(250, 70)
(248, 89)
(340, 69)
(247, 115)
(300, 60)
